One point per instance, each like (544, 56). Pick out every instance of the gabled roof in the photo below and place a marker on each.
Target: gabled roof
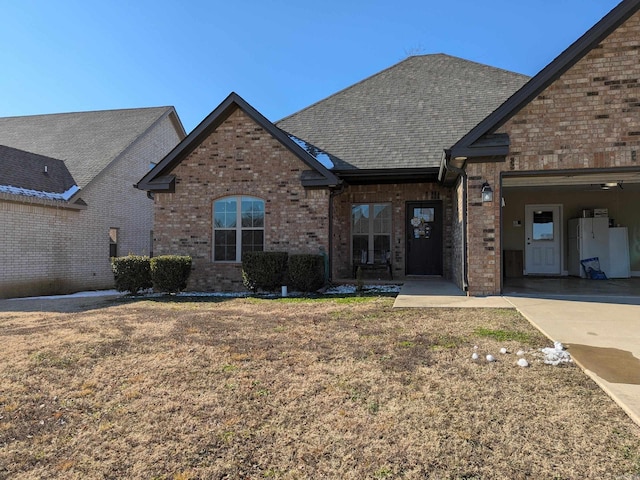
(33, 175)
(405, 116)
(470, 145)
(160, 179)
(87, 142)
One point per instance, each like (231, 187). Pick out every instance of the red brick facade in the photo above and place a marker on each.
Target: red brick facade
(238, 158)
(587, 119)
(398, 195)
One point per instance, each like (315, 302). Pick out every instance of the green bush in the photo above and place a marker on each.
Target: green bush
(264, 270)
(306, 272)
(131, 273)
(170, 273)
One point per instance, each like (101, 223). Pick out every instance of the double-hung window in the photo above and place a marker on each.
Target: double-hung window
(371, 232)
(238, 226)
(113, 242)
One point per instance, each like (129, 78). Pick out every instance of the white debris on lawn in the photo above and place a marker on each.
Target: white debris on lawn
(337, 290)
(556, 355)
(211, 294)
(351, 289)
(97, 293)
(551, 356)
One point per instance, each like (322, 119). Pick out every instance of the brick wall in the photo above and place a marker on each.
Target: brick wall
(50, 250)
(588, 118)
(483, 246)
(398, 195)
(239, 158)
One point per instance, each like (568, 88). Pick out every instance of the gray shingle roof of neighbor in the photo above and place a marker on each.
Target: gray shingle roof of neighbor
(26, 173)
(86, 141)
(406, 115)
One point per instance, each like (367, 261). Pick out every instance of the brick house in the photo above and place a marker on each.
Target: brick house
(67, 201)
(392, 170)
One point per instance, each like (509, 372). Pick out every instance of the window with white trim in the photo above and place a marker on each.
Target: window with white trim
(238, 226)
(371, 232)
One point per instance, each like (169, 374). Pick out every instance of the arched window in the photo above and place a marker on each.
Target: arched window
(238, 226)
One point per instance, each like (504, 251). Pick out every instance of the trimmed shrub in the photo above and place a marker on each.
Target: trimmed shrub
(306, 272)
(170, 273)
(264, 270)
(131, 273)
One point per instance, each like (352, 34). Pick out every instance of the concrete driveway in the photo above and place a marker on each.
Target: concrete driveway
(602, 336)
(602, 333)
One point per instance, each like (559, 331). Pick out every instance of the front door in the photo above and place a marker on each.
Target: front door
(543, 239)
(424, 238)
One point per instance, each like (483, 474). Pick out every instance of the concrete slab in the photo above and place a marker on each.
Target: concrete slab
(602, 337)
(436, 292)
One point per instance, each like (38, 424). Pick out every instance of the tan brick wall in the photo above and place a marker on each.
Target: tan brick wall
(398, 195)
(239, 158)
(48, 250)
(588, 118)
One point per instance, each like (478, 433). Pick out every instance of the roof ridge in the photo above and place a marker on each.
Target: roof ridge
(166, 112)
(391, 67)
(109, 110)
(352, 86)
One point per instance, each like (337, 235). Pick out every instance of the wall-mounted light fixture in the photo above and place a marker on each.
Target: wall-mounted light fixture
(610, 185)
(487, 193)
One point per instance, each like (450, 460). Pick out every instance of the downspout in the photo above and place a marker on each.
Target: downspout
(463, 175)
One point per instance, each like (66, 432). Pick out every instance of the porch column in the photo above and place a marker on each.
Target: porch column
(483, 230)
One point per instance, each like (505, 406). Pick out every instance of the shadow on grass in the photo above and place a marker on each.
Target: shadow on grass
(186, 298)
(84, 304)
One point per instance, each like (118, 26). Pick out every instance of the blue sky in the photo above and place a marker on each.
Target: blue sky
(280, 56)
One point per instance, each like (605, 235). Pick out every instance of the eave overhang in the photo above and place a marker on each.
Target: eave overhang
(164, 184)
(388, 175)
(72, 204)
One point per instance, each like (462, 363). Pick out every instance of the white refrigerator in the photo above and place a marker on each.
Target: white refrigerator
(588, 238)
(619, 262)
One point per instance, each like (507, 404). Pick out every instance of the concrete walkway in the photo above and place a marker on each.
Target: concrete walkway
(602, 334)
(436, 292)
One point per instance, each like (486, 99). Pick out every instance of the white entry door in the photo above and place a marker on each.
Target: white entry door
(543, 239)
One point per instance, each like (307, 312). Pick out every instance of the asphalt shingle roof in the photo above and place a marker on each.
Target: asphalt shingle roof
(86, 141)
(30, 171)
(406, 115)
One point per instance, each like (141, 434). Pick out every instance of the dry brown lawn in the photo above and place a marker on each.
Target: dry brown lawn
(293, 389)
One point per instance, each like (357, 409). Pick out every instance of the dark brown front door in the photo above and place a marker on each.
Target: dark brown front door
(424, 238)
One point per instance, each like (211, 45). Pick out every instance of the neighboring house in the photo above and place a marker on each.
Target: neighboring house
(391, 171)
(67, 196)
